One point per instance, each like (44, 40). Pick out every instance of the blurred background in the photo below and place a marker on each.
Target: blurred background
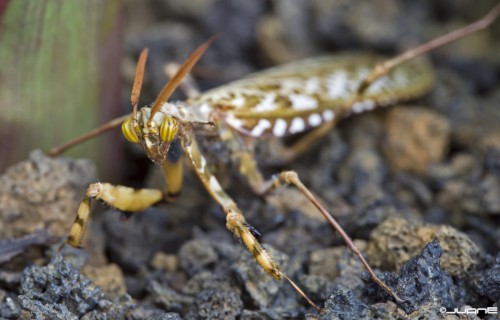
(60, 74)
(67, 66)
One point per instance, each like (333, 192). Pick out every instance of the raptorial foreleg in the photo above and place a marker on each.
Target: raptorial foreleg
(235, 221)
(116, 196)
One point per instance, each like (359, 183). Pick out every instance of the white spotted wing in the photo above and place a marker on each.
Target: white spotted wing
(291, 98)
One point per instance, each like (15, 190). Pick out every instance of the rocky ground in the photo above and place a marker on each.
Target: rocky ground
(417, 186)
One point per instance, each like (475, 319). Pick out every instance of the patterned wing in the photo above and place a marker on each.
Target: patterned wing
(291, 98)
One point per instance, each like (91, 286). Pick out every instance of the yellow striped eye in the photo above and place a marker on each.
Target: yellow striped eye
(168, 129)
(128, 131)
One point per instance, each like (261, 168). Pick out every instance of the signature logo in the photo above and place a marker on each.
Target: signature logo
(470, 310)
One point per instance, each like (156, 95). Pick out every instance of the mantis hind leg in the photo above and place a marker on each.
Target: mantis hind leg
(292, 178)
(287, 153)
(249, 169)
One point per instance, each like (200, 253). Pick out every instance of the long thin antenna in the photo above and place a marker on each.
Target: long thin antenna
(139, 76)
(134, 98)
(89, 135)
(174, 82)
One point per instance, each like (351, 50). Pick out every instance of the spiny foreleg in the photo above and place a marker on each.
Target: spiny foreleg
(235, 221)
(116, 196)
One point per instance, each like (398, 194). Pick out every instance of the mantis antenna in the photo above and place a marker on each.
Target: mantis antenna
(139, 76)
(169, 88)
(134, 98)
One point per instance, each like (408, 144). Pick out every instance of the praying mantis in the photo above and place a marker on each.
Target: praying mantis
(312, 95)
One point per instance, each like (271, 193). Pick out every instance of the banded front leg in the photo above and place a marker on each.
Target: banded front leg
(235, 221)
(129, 199)
(116, 196)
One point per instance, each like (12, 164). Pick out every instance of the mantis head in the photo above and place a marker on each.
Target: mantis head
(157, 130)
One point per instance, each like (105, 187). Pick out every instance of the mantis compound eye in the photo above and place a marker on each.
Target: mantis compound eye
(129, 132)
(168, 129)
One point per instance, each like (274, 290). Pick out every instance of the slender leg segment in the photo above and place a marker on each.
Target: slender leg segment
(249, 169)
(119, 197)
(385, 67)
(235, 221)
(173, 175)
(172, 171)
(381, 70)
(304, 143)
(292, 178)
